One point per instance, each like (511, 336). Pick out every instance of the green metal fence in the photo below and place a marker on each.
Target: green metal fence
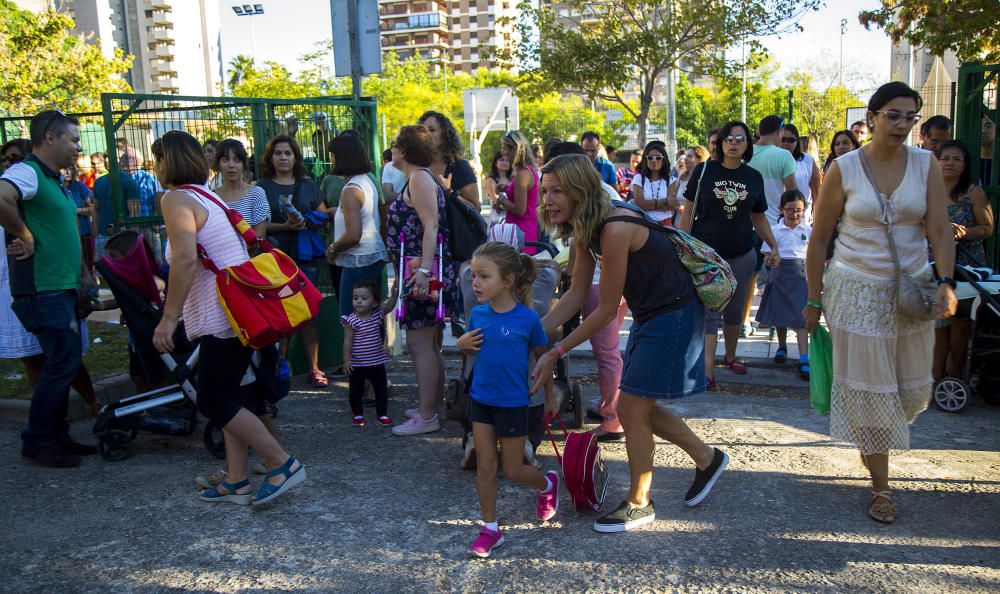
(977, 114)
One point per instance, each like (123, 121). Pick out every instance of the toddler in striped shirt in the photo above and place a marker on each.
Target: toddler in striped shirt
(364, 350)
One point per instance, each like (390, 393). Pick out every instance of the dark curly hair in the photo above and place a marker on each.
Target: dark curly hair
(451, 147)
(267, 164)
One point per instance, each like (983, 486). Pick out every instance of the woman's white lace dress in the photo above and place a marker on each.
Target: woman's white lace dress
(881, 360)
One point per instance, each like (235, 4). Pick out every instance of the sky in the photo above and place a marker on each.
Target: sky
(290, 28)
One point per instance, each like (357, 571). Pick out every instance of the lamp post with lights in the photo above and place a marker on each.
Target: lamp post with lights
(250, 10)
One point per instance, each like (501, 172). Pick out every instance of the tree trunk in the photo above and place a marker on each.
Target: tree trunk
(645, 102)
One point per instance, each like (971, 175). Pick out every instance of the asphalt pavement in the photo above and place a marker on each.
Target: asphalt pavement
(394, 514)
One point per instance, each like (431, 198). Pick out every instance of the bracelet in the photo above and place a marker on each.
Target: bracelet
(560, 349)
(816, 304)
(947, 280)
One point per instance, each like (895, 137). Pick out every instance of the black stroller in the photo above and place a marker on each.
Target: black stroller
(171, 409)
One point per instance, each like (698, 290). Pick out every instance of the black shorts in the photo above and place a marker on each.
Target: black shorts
(507, 421)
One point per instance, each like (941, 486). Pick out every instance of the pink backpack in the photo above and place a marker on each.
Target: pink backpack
(584, 473)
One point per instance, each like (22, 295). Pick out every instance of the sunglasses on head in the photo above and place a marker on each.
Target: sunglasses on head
(53, 116)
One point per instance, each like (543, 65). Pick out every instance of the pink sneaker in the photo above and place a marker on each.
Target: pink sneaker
(417, 425)
(358, 421)
(548, 501)
(484, 545)
(384, 421)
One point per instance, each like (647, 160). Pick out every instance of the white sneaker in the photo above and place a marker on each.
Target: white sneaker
(415, 412)
(417, 425)
(469, 456)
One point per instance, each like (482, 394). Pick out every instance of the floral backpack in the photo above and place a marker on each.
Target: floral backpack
(712, 277)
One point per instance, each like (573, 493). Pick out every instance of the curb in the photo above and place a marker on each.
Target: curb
(110, 389)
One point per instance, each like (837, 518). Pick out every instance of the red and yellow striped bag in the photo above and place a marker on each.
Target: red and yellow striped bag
(266, 297)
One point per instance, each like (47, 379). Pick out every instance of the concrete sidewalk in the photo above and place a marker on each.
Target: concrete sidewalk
(389, 514)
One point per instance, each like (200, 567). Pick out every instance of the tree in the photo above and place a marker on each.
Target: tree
(614, 49)
(238, 68)
(43, 66)
(967, 27)
(820, 106)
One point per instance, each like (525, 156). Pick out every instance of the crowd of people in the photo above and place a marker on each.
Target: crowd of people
(811, 239)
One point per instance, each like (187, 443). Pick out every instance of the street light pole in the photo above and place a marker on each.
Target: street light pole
(250, 10)
(843, 31)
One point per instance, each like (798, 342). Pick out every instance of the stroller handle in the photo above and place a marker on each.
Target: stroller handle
(548, 247)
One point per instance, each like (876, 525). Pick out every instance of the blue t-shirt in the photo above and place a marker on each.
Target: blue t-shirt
(105, 204)
(81, 193)
(607, 171)
(501, 369)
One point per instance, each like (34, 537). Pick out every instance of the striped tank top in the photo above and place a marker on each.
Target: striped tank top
(368, 347)
(203, 315)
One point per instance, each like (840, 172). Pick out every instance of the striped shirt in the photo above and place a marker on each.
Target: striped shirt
(367, 349)
(252, 206)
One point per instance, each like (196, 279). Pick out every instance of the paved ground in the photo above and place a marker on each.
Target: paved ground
(382, 513)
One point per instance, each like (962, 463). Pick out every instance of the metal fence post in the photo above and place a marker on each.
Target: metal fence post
(114, 167)
(791, 106)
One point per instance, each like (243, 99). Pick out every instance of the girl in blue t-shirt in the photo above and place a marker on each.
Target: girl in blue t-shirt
(502, 334)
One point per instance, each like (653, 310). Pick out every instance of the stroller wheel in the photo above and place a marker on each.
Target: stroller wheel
(577, 405)
(115, 445)
(214, 442)
(951, 394)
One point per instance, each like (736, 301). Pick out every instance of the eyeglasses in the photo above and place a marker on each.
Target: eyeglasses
(656, 158)
(54, 115)
(947, 159)
(793, 210)
(789, 139)
(734, 139)
(895, 117)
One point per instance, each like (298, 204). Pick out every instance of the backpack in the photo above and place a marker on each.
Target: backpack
(584, 472)
(266, 297)
(464, 228)
(713, 279)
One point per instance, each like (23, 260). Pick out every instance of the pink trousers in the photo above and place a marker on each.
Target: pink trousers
(609, 361)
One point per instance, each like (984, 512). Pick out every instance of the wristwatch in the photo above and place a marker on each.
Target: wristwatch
(947, 280)
(426, 272)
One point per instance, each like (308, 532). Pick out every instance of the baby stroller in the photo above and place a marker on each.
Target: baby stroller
(977, 293)
(171, 409)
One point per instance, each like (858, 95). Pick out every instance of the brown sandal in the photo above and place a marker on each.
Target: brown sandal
(882, 509)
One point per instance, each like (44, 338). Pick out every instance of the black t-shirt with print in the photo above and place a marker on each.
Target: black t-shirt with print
(461, 173)
(728, 197)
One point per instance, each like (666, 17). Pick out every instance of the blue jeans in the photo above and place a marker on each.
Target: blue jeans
(51, 317)
(352, 276)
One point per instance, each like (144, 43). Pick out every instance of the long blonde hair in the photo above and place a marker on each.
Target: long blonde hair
(510, 263)
(522, 150)
(582, 185)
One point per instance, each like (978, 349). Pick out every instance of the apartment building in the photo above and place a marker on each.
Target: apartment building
(459, 33)
(176, 43)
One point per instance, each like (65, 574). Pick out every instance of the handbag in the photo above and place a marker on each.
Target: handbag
(265, 298)
(465, 227)
(820, 369)
(917, 291)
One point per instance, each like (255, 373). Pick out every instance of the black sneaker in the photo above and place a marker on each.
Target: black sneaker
(79, 449)
(625, 517)
(704, 480)
(53, 456)
(338, 372)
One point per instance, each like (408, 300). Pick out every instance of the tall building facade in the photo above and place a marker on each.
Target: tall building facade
(175, 43)
(463, 34)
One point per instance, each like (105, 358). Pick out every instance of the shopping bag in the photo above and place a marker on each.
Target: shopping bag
(820, 369)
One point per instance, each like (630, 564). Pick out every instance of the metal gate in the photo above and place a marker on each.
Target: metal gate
(977, 114)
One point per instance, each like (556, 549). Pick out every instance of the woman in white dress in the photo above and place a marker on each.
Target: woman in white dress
(881, 358)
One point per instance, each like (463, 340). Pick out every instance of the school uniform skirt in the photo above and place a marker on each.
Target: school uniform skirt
(785, 295)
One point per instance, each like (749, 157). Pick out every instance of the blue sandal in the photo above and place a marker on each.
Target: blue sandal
(215, 495)
(780, 355)
(267, 491)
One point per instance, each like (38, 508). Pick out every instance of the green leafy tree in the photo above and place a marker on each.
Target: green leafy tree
(967, 27)
(44, 66)
(820, 105)
(238, 68)
(612, 49)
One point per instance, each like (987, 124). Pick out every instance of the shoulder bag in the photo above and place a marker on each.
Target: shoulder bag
(916, 292)
(265, 298)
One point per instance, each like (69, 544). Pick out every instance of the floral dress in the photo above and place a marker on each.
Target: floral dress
(961, 212)
(402, 218)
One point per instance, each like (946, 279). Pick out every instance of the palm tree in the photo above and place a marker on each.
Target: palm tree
(238, 68)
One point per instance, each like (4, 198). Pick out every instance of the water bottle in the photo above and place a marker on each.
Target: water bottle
(293, 213)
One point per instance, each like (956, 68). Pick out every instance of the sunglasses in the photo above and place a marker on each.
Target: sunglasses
(793, 210)
(656, 158)
(789, 139)
(895, 117)
(734, 139)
